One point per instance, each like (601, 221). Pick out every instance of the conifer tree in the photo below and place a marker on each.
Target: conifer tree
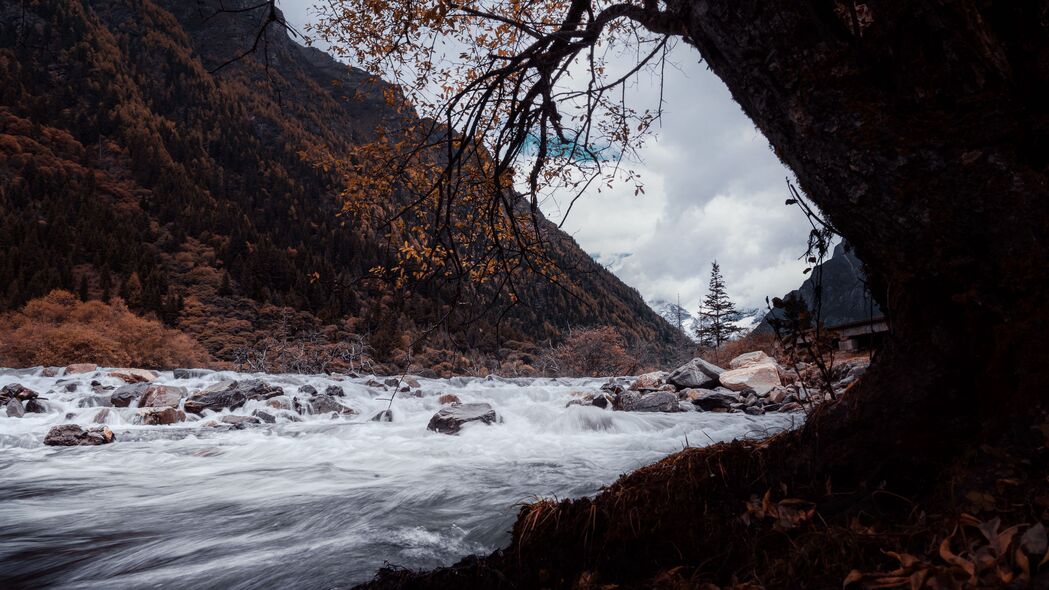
(716, 314)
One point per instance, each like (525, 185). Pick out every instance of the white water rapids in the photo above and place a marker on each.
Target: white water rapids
(320, 503)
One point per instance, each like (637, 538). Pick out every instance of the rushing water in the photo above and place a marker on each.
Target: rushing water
(320, 503)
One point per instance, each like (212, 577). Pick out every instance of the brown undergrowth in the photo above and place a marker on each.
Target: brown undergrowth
(759, 515)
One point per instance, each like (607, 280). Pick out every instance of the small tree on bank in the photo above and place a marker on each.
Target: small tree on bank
(716, 314)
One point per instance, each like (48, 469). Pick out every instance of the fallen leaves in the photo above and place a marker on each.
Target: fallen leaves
(991, 558)
(787, 514)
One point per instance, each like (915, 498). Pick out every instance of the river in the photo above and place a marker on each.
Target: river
(320, 503)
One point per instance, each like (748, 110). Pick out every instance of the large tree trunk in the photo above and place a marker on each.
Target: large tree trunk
(921, 129)
(925, 140)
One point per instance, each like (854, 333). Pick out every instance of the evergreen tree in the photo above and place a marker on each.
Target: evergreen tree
(716, 314)
(82, 291)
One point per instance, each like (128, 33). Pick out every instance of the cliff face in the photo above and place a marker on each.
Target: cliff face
(843, 293)
(132, 165)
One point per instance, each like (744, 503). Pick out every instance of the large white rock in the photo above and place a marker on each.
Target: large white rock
(760, 378)
(751, 359)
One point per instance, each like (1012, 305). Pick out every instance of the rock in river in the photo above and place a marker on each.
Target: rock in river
(230, 394)
(124, 395)
(134, 375)
(323, 403)
(239, 422)
(158, 396)
(657, 401)
(71, 435)
(223, 394)
(14, 408)
(715, 400)
(158, 416)
(16, 391)
(450, 419)
(694, 374)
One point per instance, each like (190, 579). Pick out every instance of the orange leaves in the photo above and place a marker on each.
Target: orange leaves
(787, 514)
(985, 557)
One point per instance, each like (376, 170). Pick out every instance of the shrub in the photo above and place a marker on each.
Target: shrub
(590, 352)
(59, 329)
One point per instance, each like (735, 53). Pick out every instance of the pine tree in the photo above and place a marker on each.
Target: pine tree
(716, 314)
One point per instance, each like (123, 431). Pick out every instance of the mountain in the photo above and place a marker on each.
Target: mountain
(844, 294)
(134, 161)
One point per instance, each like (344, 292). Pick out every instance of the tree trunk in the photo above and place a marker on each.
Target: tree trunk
(921, 129)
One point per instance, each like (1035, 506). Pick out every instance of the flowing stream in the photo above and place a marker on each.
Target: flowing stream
(320, 503)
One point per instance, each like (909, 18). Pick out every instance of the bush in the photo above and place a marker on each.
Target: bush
(590, 352)
(59, 329)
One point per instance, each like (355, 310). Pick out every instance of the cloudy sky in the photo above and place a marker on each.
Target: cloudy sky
(713, 190)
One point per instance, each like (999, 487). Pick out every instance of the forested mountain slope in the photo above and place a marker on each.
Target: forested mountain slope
(129, 166)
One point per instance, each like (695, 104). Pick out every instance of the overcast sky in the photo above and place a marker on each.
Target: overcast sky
(713, 190)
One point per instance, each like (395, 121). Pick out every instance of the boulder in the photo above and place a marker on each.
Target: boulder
(14, 408)
(710, 400)
(125, 394)
(231, 394)
(17, 391)
(159, 396)
(334, 391)
(790, 407)
(35, 406)
(240, 422)
(449, 398)
(450, 419)
(77, 368)
(778, 395)
(156, 416)
(754, 410)
(102, 416)
(383, 416)
(191, 373)
(70, 387)
(134, 375)
(71, 435)
(392, 382)
(626, 399)
(750, 359)
(223, 394)
(265, 416)
(601, 401)
(279, 403)
(659, 401)
(412, 382)
(760, 378)
(308, 390)
(649, 381)
(323, 403)
(258, 389)
(695, 373)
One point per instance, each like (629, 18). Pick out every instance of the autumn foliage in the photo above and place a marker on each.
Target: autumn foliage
(59, 329)
(591, 352)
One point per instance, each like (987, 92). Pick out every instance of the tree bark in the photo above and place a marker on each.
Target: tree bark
(921, 129)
